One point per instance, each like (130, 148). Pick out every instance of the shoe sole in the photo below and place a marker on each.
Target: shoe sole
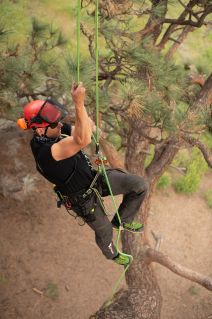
(129, 230)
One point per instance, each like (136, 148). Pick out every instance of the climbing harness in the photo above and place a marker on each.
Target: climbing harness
(83, 203)
(101, 160)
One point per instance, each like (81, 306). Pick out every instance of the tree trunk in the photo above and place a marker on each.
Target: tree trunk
(205, 95)
(142, 298)
(138, 147)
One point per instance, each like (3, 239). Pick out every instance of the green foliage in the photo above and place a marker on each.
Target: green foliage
(51, 291)
(164, 106)
(3, 279)
(205, 117)
(115, 139)
(206, 138)
(159, 10)
(149, 157)
(181, 111)
(208, 197)
(4, 32)
(193, 290)
(164, 181)
(182, 159)
(45, 36)
(14, 19)
(203, 61)
(31, 68)
(69, 71)
(189, 183)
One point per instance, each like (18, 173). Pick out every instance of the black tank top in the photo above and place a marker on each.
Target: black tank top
(72, 174)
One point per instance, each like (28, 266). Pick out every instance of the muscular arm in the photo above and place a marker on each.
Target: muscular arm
(93, 127)
(81, 135)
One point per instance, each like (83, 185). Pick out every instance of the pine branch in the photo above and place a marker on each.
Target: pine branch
(152, 140)
(90, 38)
(172, 27)
(166, 261)
(198, 79)
(163, 156)
(197, 24)
(154, 24)
(205, 152)
(179, 40)
(200, 20)
(189, 9)
(204, 97)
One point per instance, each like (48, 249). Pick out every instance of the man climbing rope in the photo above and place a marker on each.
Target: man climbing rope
(61, 161)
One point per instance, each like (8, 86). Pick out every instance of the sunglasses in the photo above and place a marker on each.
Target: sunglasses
(53, 125)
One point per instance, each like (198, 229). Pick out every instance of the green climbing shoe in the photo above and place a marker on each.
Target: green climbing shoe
(121, 259)
(133, 227)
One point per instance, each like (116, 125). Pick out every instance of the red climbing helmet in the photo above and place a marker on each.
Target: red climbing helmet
(40, 113)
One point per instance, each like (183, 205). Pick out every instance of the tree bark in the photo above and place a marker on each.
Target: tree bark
(112, 155)
(205, 151)
(205, 95)
(137, 148)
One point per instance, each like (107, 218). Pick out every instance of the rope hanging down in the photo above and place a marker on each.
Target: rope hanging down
(101, 167)
(78, 38)
(97, 72)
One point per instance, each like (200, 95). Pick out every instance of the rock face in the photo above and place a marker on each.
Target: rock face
(18, 176)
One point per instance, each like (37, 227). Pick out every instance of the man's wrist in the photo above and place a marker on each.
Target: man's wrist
(79, 105)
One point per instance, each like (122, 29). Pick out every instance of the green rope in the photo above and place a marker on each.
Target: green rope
(115, 206)
(97, 69)
(118, 282)
(78, 38)
(97, 136)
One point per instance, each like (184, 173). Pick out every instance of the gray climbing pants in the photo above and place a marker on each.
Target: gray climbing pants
(134, 189)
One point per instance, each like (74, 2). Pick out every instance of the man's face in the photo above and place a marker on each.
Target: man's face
(51, 132)
(54, 132)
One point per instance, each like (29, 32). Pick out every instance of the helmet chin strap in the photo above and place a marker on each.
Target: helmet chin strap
(45, 132)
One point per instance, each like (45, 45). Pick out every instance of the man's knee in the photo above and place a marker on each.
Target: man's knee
(141, 185)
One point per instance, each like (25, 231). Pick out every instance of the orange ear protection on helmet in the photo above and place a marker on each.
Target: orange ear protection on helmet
(22, 124)
(40, 113)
